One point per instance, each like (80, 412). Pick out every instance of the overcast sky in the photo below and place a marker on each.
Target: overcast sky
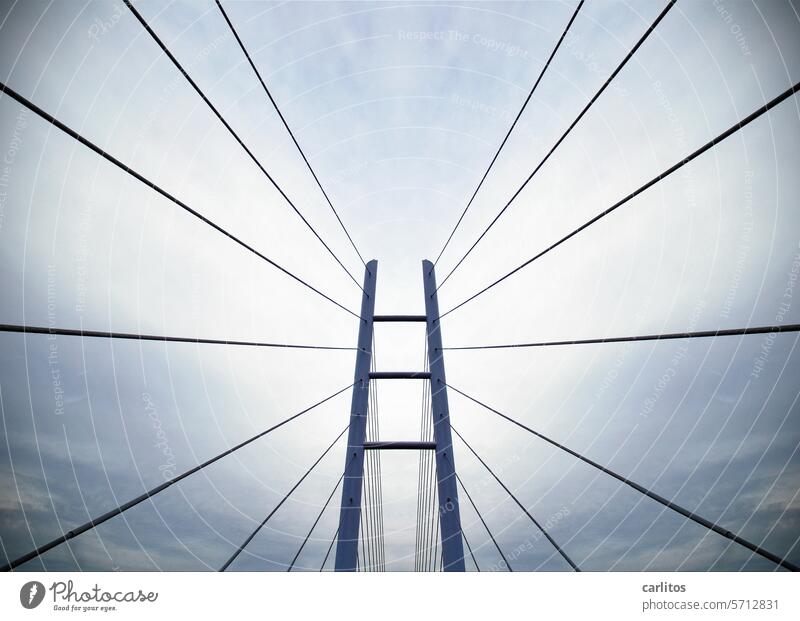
(400, 107)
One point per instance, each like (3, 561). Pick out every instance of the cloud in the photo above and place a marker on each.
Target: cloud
(399, 109)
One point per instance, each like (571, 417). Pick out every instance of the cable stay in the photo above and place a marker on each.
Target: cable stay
(280, 504)
(426, 482)
(156, 490)
(316, 521)
(373, 460)
(330, 547)
(367, 528)
(288, 129)
(471, 553)
(563, 136)
(24, 329)
(713, 142)
(649, 493)
(372, 538)
(233, 133)
(436, 549)
(428, 493)
(485, 525)
(152, 185)
(510, 129)
(519, 504)
(789, 327)
(417, 528)
(438, 534)
(361, 558)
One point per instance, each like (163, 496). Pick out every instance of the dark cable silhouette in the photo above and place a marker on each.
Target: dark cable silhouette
(789, 327)
(650, 494)
(316, 521)
(86, 142)
(713, 142)
(485, 525)
(152, 492)
(510, 129)
(280, 504)
(563, 136)
(372, 554)
(231, 131)
(288, 129)
(471, 553)
(5, 327)
(330, 547)
(552, 541)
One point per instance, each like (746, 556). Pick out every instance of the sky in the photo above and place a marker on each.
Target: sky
(400, 107)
